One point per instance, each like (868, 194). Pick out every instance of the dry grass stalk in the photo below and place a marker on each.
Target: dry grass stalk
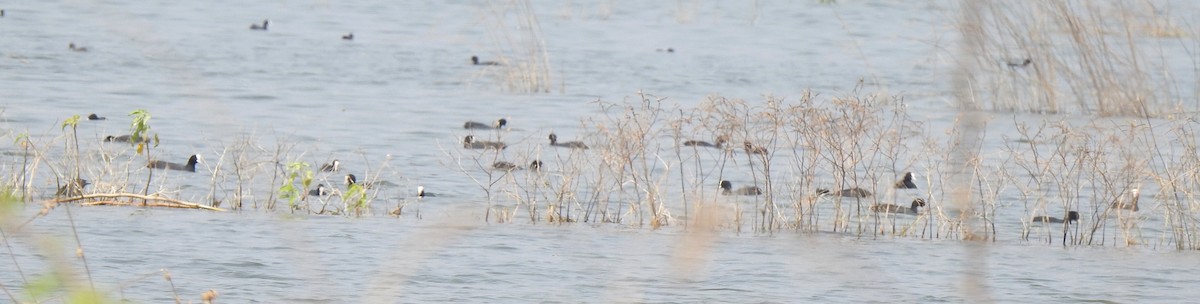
(164, 202)
(515, 31)
(1090, 58)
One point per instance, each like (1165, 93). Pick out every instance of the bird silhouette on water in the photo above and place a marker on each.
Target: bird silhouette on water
(189, 167)
(333, 166)
(1072, 216)
(719, 143)
(750, 148)
(1131, 204)
(1023, 63)
(906, 182)
(475, 61)
(727, 189)
(891, 208)
(73, 47)
(851, 192)
(570, 144)
(263, 27)
(321, 190)
(469, 142)
(125, 138)
(72, 189)
(499, 124)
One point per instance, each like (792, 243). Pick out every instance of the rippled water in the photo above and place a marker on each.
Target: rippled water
(253, 257)
(391, 102)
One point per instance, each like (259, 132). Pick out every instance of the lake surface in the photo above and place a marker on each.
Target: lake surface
(390, 106)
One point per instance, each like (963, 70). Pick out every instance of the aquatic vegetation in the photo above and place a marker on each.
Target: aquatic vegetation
(74, 184)
(1127, 179)
(1083, 61)
(515, 32)
(356, 200)
(294, 188)
(139, 128)
(644, 167)
(639, 172)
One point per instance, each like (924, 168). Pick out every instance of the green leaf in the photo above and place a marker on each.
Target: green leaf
(21, 139)
(356, 196)
(10, 203)
(87, 297)
(42, 286)
(72, 122)
(140, 126)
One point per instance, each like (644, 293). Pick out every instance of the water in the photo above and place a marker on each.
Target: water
(253, 257)
(390, 105)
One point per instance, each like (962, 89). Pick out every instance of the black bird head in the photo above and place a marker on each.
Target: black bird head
(726, 185)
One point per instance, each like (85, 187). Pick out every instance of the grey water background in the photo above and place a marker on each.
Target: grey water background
(398, 94)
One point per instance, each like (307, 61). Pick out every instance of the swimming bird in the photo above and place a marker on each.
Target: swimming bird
(852, 192)
(727, 189)
(890, 208)
(349, 36)
(569, 144)
(906, 182)
(1021, 64)
(124, 138)
(1072, 216)
(93, 116)
(319, 191)
(333, 166)
(1131, 205)
(469, 142)
(475, 61)
(719, 143)
(750, 148)
(503, 165)
(507, 166)
(422, 194)
(77, 48)
(189, 167)
(1, 13)
(72, 189)
(499, 124)
(352, 180)
(262, 27)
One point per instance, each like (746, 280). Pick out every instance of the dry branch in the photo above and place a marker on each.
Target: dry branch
(160, 201)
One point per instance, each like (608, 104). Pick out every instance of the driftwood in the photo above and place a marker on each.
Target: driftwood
(152, 201)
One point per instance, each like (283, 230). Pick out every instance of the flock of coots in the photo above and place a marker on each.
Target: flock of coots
(75, 188)
(470, 142)
(726, 187)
